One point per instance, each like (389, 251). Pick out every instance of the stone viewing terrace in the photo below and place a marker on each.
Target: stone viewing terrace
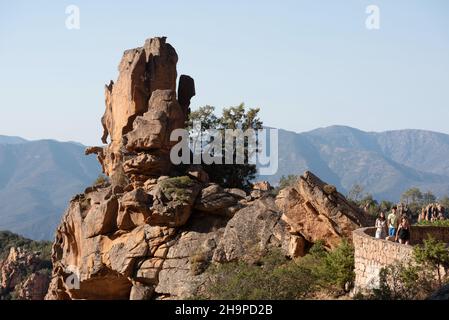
(371, 254)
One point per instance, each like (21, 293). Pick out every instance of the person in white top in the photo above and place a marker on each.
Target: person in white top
(381, 226)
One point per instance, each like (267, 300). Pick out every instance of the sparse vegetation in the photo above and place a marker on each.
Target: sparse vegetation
(44, 265)
(274, 277)
(433, 255)
(284, 182)
(9, 240)
(436, 223)
(177, 188)
(198, 262)
(101, 179)
(356, 193)
(416, 279)
(287, 181)
(329, 189)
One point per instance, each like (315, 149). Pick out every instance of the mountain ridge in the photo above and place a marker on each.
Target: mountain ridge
(37, 177)
(396, 159)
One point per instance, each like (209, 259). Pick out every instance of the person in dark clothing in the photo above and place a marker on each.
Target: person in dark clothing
(403, 233)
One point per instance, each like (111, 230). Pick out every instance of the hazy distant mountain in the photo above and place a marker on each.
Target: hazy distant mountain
(11, 140)
(37, 178)
(384, 163)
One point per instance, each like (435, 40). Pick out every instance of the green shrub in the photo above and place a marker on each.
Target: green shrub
(334, 270)
(414, 279)
(273, 278)
(177, 188)
(402, 281)
(433, 255)
(339, 266)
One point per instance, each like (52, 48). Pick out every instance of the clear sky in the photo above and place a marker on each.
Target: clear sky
(306, 64)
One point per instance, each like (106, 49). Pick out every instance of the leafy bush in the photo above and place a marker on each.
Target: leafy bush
(433, 255)
(334, 270)
(199, 262)
(288, 181)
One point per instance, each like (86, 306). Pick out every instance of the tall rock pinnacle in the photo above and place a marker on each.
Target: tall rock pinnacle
(142, 109)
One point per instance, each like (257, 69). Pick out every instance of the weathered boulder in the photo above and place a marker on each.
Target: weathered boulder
(251, 231)
(101, 218)
(143, 166)
(181, 275)
(140, 291)
(262, 186)
(173, 201)
(316, 211)
(237, 193)
(102, 264)
(215, 200)
(134, 209)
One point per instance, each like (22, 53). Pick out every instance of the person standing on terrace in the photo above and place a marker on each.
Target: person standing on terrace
(392, 222)
(404, 232)
(381, 226)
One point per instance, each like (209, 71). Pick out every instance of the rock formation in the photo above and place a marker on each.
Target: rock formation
(151, 232)
(432, 212)
(315, 211)
(23, 274)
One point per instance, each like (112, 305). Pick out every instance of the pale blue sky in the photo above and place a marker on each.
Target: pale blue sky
(306, 64)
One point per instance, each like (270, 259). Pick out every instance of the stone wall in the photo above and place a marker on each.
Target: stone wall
(419, 233)
(371, 254)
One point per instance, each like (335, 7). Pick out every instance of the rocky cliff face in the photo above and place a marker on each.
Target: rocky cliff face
(23, 275)
(315, 211)
(154, 229)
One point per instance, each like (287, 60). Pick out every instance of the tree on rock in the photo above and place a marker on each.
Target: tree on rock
(238, 117)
